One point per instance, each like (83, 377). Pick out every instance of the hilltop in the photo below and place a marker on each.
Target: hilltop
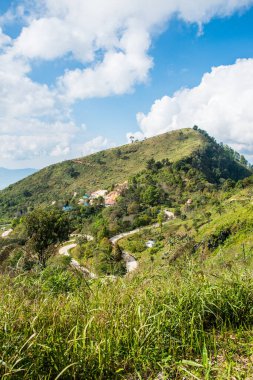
(104, 169)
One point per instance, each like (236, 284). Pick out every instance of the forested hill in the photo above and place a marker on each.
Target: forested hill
(185, 148)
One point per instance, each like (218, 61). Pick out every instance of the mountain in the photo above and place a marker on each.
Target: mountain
(113, 166)
(9, 176)
(188, 303)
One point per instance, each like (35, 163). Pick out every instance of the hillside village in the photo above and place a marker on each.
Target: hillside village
(99, 197)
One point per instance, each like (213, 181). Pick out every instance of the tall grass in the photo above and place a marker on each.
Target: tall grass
(171, 323)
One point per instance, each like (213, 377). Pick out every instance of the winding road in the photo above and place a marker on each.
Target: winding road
(131, 263)
(6, 233)
(75, 264)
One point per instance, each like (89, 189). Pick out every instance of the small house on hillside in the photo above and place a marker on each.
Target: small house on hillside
(98, 193)
(67, 208)
(84, 202)
(111, 198)
(170, 215)
(150, 244)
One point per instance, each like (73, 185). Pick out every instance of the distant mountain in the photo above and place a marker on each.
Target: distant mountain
(185, 148)
(9, 176)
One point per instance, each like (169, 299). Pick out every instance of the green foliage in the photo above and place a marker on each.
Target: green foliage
(151, 195)
(141, 327)
(216, 162)
(218, 238)
(190, 301)
(44, 228)
(97, 171)
(57, 280)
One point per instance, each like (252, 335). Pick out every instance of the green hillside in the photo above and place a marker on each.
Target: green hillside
(184, 312)
(104, 169)
(99, 170)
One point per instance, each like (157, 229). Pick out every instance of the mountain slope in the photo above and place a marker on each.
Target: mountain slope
(102, 170)
(9, 176)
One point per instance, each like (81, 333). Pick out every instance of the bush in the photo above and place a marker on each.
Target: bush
(57, 280)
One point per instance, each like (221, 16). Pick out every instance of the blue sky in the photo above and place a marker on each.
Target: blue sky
(72, 105)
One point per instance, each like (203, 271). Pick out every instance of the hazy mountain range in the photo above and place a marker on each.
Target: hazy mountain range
(9, 176)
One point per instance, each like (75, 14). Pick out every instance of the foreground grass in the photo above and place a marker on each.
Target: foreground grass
(181, 324)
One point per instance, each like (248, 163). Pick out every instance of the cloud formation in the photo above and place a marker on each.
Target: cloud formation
(107, 41)
(221, 104)
(95, 145)
(111, 37)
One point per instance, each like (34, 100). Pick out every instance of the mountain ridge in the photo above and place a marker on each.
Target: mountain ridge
(107, 168)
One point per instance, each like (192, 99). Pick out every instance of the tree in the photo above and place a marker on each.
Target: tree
(133, 208)
(243, 160)
(118, 153)
(72, 172)
(160, 220)
(151, 195)
(151, 164)
(46, 227)
(117, 253)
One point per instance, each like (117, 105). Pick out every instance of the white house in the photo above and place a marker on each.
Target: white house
(169, 214)
(150, 244)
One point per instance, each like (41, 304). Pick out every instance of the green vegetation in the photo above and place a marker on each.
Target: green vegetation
(187, 310)
(179, 321)
(101, 170)
(45, 228)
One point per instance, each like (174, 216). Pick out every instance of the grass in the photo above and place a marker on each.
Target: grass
(183, 319)
(184, 324)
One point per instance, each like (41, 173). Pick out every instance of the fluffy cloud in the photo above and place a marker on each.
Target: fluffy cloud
(116, 74)
(33, 122)
(221, 104)
(95, 145)
(4, 39)
(108, 40)
(84, 27)
(112, 37)
(32, 146)
(19, 95)
(35, 140)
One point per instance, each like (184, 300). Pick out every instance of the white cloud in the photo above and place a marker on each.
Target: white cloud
(135, 136)
(4, 39)
(32, 138)
(95, 145)
(116, 75)
(221, 104)
(109, 40)
(19, 95)
(111, 37)
(29, 147)
(33, 122)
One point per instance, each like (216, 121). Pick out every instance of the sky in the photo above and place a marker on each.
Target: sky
(81, 76)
